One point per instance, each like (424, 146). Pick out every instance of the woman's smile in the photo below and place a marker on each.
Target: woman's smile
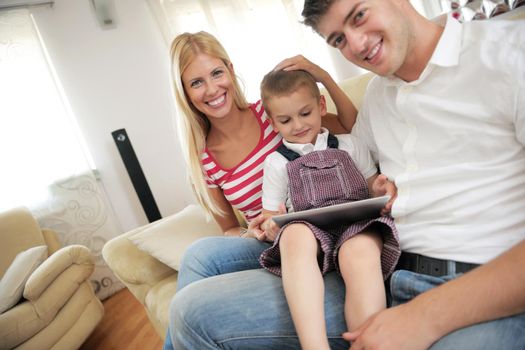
(218, 102)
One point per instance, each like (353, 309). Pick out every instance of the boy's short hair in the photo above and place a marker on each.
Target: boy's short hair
(313, 10)
(282, 83)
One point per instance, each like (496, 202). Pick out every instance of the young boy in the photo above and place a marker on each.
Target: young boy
(315, 169)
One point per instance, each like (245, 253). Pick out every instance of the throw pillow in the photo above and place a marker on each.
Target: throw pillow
(15, 278)
(167, 239)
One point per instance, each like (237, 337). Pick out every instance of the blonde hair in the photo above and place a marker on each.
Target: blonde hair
(281, 83)
(193, 125)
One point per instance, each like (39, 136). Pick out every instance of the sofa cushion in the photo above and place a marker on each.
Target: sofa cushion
(14, 280)
(167, 239)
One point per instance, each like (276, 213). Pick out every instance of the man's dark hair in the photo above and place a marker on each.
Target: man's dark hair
(313, 10)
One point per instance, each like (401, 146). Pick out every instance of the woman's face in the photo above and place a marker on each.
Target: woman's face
(208, 82)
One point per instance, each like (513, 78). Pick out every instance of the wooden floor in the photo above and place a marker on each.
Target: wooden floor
(125, 326)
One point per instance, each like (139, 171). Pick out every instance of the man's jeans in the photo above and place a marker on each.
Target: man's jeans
(248, 310)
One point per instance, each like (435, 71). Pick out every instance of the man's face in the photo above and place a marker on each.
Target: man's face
(373, 34)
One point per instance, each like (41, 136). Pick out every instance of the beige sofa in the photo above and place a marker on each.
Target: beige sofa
(154, 283)
(59, 308)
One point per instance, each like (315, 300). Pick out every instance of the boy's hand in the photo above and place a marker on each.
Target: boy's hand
(381, 187)
(272, 229)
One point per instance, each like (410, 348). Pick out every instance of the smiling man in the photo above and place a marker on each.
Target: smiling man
(445, 119)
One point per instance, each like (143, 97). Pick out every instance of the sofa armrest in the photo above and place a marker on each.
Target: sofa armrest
(147, 255)
(138, 270)
(55, 265)
(57, 279)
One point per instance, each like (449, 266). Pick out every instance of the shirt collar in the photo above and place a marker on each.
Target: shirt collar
(446, 53)
(321, 143)
(448, 48)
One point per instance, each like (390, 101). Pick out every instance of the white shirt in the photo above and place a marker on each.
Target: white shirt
(275, 179)
(454, 142)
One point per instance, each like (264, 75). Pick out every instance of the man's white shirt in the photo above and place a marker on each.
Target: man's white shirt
(453, 141)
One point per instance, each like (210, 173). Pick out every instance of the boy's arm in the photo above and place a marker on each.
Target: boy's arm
(346, 111)
(275, 190)
(489, 292)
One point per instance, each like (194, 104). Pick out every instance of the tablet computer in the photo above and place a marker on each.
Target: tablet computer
(344, 213)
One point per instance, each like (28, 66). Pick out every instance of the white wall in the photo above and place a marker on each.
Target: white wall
(119, 78)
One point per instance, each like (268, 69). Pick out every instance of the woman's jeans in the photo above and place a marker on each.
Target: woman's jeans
(248, 310)
(215, 256)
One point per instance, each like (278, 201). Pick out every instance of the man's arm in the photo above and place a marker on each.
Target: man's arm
(491, 291)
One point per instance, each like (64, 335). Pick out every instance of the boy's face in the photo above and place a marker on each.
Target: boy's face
(373, 34)
(297, 116)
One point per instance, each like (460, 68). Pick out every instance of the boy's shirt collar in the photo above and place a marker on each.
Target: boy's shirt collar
(320, 144)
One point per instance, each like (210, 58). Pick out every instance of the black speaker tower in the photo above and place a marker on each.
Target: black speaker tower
(136, 174)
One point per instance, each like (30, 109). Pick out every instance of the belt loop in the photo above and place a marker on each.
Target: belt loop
(451, 267)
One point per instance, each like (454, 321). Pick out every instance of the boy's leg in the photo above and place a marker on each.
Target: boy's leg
(360, 265)
(303, 285)
(505, 333)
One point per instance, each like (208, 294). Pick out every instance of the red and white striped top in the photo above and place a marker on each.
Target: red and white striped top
(242, 184)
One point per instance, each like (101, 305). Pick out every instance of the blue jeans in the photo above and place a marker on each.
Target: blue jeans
(505, 333)
(248, 309)
(215, 256)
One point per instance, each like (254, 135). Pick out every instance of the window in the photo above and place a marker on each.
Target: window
(39, 142)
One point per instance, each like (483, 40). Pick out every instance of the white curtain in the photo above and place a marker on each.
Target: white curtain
(257, 34)
(466, 10)
(43, 163)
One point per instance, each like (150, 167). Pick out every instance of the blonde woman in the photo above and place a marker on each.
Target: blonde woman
(226, 140)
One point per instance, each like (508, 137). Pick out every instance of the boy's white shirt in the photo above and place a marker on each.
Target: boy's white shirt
(275, 179)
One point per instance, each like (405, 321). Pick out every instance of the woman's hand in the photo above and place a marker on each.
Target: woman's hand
(263, 227)
(299, 62)
(381, 186)
(254, 228)
(346, 111)
(271, 229)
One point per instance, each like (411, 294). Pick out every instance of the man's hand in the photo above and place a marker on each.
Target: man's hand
(382, 186)
(394, 328)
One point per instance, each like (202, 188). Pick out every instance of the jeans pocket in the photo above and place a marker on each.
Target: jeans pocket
(406, 285)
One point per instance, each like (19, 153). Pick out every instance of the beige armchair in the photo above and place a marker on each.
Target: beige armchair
(154, 283)
(59, 308)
